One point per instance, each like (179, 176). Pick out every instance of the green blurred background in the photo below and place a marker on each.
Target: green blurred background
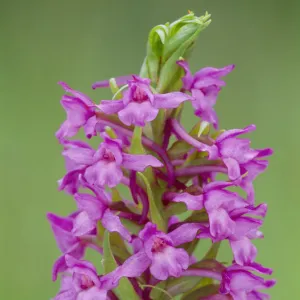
(80, 42)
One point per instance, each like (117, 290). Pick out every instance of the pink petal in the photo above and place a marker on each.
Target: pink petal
(111, 106)
(140, 162)
(170, 100)
(60, 265)
(215, 72)
(244, 226)
(82, 267)
(244, 251)
(170, 262)
(134, 266)
(79, 156)
(103, 173)
(70, 294)
(245, 281)
(138, 113)
(233, 168)
(62, 228)
(112, 223)
(215, 199)
(188, 79)
(207, 81)
(66, 130)
(234, 132)
(184, 233)
(215, 185)
(83, 224)
(93, 206)
(93, 293)
(90, 127)
(192, 202)
(221, 226)
(84, 98)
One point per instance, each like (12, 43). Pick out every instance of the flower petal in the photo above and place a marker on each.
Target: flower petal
(138, 114)
(90, 127)
(66, 295)
(233, 168)
(66, 130)
(62, 228)
(170, 100)
(254, 266)
(188, 79)
(245, 281)
(244, 251)
(170, 262)
(238, 149)
(134, 266)
(192, 202)
(79, 156)
(83, 224)
(214, 72)
(60, 265)
(82, 267)
(90, 204)
(139, 162)
(215, 199)
(245, 226)
(93, 293)
(253, 169)
(112, 223)
(111, 106)
(84, 98)
(216, 185)
(203, 105)
(70, 182)
(103, 173)
(221, 226)
(184, 233)
(234, 132)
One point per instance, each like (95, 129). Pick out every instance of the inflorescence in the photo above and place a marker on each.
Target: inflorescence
(147, 243)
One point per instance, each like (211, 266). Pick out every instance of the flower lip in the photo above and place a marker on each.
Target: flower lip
(139, 95)
(86, 282)
(159, 244)
(108, 156)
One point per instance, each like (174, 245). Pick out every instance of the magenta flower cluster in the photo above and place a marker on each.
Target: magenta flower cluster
(176, 195)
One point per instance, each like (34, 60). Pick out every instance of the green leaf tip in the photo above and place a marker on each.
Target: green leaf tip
(166, 44)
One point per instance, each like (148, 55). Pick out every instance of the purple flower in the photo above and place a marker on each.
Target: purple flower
(240, 283)
(243, 228)
(80, 113)
(218, 202)
(139, 105)
(228, 217)
(246, 229)
(204, 86)
(236, 153)
(101, 167)
(73, 179)
(156, 250)
(251, 170)
(66, 241)
(81, 282)
(92, 209)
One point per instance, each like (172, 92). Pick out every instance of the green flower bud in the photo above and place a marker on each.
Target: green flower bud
(167, 44)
